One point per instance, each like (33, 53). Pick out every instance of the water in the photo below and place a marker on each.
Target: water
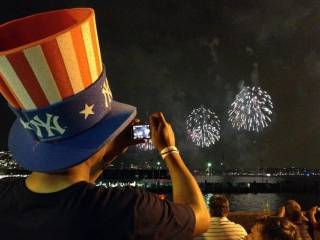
(263, 201)
(257, 202)
(257, 179)
(272, 201)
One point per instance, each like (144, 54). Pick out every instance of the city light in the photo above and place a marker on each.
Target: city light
(146, 146)
(209, 165)
(9, 167)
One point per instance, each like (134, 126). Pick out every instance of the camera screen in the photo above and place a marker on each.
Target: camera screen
(141, 131)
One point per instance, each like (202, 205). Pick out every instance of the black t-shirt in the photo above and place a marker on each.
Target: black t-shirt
(85, 211)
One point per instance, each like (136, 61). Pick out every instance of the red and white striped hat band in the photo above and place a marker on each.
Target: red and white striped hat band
(47, 57)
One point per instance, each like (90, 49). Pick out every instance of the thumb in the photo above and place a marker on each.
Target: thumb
(162, 119)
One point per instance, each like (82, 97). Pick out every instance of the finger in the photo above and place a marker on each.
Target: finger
(162, 117)
(124, 150)
(135, 121)
(155, 114)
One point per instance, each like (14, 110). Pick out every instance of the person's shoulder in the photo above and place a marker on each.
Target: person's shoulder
(6, 180)
(238, 226)
(131, 194)
(114, 191)
(109, 201)
(8, 183)
(116, 195)
(242, 229)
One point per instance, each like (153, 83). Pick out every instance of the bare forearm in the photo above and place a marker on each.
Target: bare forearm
(184, 186)
(313, 219)
(186, 191)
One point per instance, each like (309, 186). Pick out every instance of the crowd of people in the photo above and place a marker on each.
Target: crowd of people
(289, 223)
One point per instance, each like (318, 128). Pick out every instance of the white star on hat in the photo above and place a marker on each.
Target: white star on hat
(87, 110)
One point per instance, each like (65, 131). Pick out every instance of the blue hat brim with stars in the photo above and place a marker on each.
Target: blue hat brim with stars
(76, 129)
(53, 156)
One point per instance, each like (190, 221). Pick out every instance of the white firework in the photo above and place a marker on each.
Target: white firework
(203, 127)
(146, 146)
(251, 110)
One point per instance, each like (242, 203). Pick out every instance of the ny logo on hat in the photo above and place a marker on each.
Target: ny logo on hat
(107, 93)
(50, 124)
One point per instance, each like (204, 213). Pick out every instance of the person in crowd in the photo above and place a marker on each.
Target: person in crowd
(68, 130)
(274, 228)
(292, 211)
(221, 227)
(315, 222)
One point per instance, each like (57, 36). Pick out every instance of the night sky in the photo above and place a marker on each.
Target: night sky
(174, 56)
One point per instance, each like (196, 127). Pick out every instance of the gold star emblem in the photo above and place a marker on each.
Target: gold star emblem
(87, 110)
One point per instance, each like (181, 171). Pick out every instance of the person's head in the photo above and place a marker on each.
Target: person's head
(273, 228)
(293, 210)
(219, 206)
(103, 157)
(280, 229)
(94, 164)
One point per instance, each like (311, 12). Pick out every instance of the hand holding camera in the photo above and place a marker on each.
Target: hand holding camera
(162, 134)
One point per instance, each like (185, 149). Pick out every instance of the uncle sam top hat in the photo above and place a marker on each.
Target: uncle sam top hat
(52, 77)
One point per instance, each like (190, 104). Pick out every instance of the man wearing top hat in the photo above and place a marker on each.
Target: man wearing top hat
(68, 130)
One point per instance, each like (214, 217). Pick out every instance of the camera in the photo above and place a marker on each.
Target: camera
(141, 131)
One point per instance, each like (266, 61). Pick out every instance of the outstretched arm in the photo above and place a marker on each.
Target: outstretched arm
(281, 212)
(312, 214)
(185, 188)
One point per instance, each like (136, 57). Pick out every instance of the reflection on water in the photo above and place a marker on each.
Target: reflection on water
(247, 201)
(243, 179)
(257, 202)
(238, 201)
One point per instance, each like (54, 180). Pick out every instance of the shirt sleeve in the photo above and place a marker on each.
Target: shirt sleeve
(161, 219)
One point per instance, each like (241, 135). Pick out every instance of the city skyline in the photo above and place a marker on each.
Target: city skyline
(174, 57)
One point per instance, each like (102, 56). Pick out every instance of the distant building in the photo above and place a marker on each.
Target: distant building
(7, 164)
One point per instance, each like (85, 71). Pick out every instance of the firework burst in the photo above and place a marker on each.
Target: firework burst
(146, 146)
(251, 110)
(203, 127)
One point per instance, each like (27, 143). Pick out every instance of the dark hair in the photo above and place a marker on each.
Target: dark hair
(219, 206)
(277, 228)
